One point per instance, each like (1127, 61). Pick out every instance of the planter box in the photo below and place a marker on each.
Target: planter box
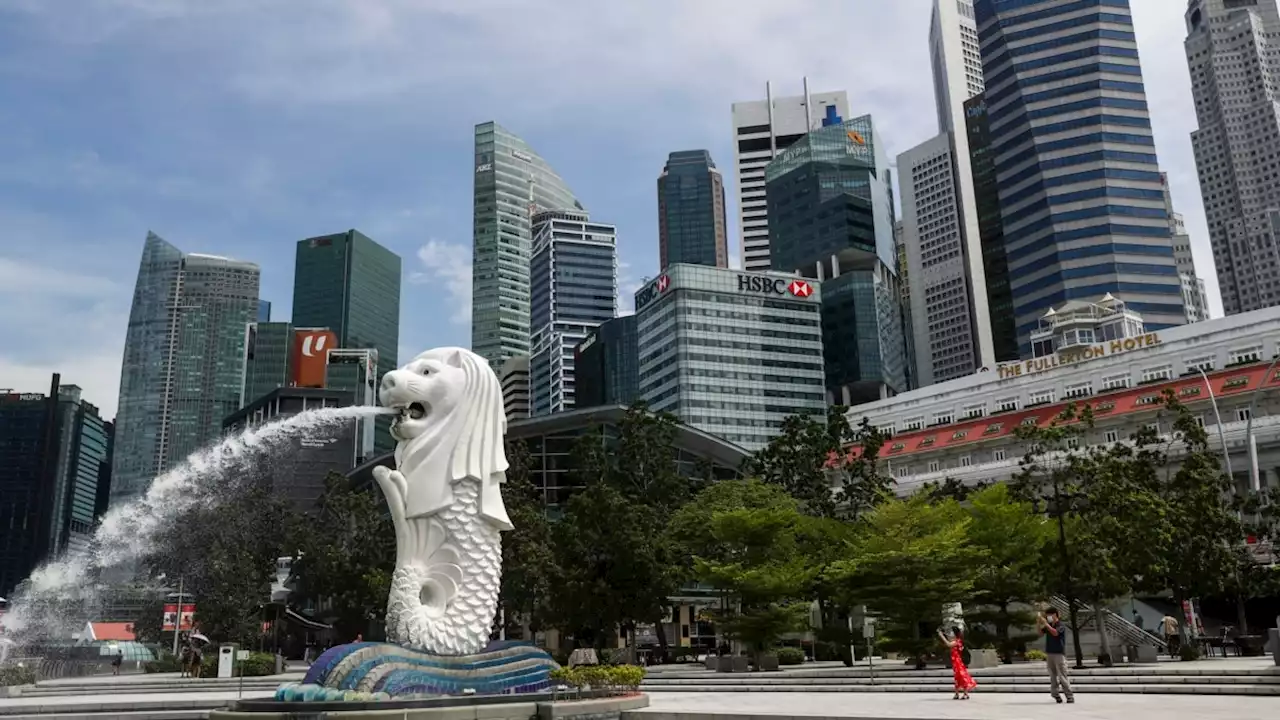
(712, 663)
(733, 664)
(768, 663)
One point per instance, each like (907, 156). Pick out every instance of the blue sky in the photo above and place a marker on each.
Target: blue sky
(238, 127)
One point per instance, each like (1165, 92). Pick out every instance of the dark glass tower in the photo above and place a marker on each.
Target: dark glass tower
(607, 365)
(831, 219)
(267, 359)
(691, 215)
(183, 368)
(1081, 195)
(986, 193)
(55, 461)
(350, 284)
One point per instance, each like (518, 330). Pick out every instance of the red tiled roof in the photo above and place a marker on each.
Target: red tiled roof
(112, 631)
(1189, 389)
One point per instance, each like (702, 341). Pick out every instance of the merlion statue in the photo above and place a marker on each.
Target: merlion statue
(446, 501)
(445, 497)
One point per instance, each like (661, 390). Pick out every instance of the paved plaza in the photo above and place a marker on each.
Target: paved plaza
(940, 706)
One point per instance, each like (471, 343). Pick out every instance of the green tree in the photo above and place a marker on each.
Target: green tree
(609, 569)
(528, 557)
(754, 556)
(1012, 540)
(910, 560)
(346, 556)
(225, 550)
(796, 459)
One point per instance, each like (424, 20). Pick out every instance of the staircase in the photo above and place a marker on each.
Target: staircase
(1122, 632)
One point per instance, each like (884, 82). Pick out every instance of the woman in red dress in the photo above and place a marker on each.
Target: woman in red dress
(963, 681)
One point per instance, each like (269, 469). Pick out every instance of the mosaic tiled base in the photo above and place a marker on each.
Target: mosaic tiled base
(382, 671)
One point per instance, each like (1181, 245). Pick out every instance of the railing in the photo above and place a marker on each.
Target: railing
(1118, 628)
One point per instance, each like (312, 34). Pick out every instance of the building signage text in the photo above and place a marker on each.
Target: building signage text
(591, 340)
(484, 167)
(774, 286)
(651, 292)
(1071, 356)
(521, 156)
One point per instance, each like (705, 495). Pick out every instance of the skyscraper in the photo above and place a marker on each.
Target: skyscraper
(267, 347)
(55, 458)
(1194, 298)
(350, 284)
(573, 289)
(1233, 52)
(511, 183)
(1079, 183)
(691, 217)
(951, 327)
(183, 359)
(830, 203)
(607, 365)
(995, 263)
(762, 129)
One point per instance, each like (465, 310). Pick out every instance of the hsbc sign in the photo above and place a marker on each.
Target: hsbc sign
(652, 291)
(774, 286)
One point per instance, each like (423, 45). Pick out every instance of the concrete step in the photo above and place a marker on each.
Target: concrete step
(255, 684)
(136, 715)
(896, 679)
(103, 708)
(1078, 687)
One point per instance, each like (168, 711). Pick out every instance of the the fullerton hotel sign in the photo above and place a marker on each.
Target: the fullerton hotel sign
(1073, 355)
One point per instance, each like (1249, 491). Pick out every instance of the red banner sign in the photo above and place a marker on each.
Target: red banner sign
(171, 615)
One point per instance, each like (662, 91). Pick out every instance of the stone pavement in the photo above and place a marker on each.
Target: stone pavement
(940, 706)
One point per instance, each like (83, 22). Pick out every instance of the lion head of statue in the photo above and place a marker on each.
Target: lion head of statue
(448, 395)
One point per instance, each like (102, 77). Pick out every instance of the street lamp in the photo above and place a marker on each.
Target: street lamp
(1222, 436)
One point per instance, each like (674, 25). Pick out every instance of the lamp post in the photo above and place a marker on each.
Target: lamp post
(1222, 436)
(1255, 482)
(177, 618)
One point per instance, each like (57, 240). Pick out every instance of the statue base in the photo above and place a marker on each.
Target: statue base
(383, 671)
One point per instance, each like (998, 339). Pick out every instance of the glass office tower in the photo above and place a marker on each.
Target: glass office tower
(605, 365)
(831, 220)
(1081, 199)
(691, 215)
(573, 288)
(729, 352)
(350, 284)
(183, 359)
(512, 183)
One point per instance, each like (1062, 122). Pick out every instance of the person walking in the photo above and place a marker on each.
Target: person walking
(1055, 649)
(116, 662)
(964, 682)
(1169, 627)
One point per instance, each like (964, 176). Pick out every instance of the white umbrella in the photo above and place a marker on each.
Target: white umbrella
(198, 636)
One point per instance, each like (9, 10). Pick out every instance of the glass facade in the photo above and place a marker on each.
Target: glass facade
(183, 368)
(573, 288)
(691, 212)
(605, 365)
(264, 311)
(511, 184)
(350, 284)
(55, 461)
(986, 192)
(830, 202)
(731, 353)
(268, 348)
(1079, 183)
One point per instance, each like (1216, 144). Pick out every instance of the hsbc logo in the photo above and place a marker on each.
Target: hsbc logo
(313, 345)
(652, 291)
(774, 286)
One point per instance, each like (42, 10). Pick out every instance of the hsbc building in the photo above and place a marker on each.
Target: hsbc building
(729, 352)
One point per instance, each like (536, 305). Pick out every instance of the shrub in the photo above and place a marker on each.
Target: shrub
(258, 665)
(1034, 654)
(165, 664)
(17, 675)
(790, 656)
(609, 678)
(1189, 652)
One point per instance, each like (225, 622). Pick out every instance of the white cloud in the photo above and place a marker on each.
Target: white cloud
(447, 264)
(58, 321)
